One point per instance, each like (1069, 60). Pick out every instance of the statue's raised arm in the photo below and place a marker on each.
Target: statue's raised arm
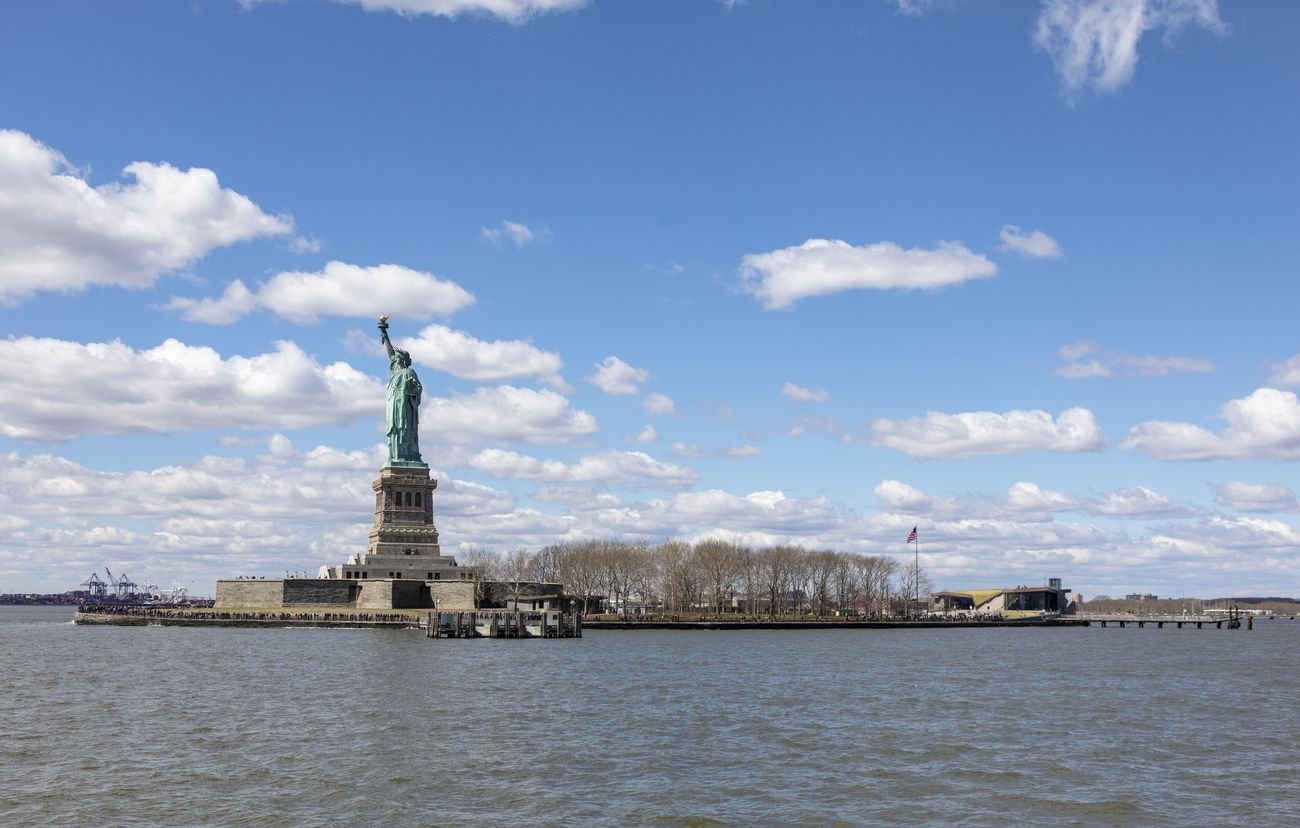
(383, 335)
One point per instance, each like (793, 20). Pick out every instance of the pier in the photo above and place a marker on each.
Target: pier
(503, 624)
(1199, 622)
(830, 624)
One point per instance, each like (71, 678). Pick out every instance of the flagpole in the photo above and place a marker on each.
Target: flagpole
(917, 573)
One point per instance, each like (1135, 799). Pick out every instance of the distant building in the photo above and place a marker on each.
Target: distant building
(1020, 601)
(1137, 596)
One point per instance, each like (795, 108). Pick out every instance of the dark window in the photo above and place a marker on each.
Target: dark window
(408, 498)
(399, 575)
(418, 497)
(430, 577)
(437, 576)
(363, 574)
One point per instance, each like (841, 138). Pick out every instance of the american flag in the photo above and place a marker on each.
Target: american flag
(911, 536)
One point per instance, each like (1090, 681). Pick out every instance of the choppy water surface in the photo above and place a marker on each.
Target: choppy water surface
(171, 726)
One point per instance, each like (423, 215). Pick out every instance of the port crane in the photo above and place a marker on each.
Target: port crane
(96, 585)
(122, 587)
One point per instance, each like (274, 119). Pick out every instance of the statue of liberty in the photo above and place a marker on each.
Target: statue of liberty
(403, 413)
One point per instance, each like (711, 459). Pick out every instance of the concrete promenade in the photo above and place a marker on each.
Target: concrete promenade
(830, 624)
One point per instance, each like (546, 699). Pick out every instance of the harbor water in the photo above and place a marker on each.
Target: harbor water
(324, 727)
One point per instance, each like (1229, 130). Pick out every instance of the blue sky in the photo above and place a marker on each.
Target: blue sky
(1021, 274)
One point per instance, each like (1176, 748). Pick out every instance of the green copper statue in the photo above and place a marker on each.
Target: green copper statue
(403, 415)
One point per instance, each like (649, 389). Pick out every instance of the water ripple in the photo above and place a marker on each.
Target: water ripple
(289, 727)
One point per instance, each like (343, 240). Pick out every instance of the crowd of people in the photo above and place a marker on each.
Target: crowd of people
(248, 615)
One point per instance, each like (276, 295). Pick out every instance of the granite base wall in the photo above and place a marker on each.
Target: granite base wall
(309, 592)
(244, 594)
(453, 596)
(334, 592)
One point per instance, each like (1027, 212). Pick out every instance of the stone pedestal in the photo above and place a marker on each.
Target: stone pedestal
(404, 513)
(404, 542)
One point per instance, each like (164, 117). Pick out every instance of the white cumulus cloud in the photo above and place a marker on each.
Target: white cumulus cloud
(1256, 497)
(109, 387)
(986, 432)
(339, 289)
(1287, 373)
(1264, 425)
(820, 266)
(506, 413)
(1027, 498)
(59, 233)
(628, 469)
(1094, 43)
(1022, 502)
(1135, 502)
(1032, 245)
(657, 403)
(616, 377)
(467, 357)
(281, 451)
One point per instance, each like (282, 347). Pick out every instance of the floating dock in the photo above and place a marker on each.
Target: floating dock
(503, 624)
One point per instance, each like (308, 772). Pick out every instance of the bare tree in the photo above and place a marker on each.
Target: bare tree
(877, 579)
(516, 567)
(847, 580)
(546, 565)
(578, 566)
(778, 570)
(820, 570)
(676, 575)
(622, 564)
(751, 580)
(914, 586)
(719, 564)
(486, 566)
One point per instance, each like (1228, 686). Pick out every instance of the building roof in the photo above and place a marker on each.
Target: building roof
(979, 597)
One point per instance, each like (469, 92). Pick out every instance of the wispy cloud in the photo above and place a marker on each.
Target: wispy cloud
(1085, 361)
(800, 394)
(1094, 43)
(513, 232)
(1032, 245)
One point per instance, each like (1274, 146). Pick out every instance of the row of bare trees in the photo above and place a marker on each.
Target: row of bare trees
(712, 576)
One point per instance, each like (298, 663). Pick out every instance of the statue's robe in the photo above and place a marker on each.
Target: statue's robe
(403, 415)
